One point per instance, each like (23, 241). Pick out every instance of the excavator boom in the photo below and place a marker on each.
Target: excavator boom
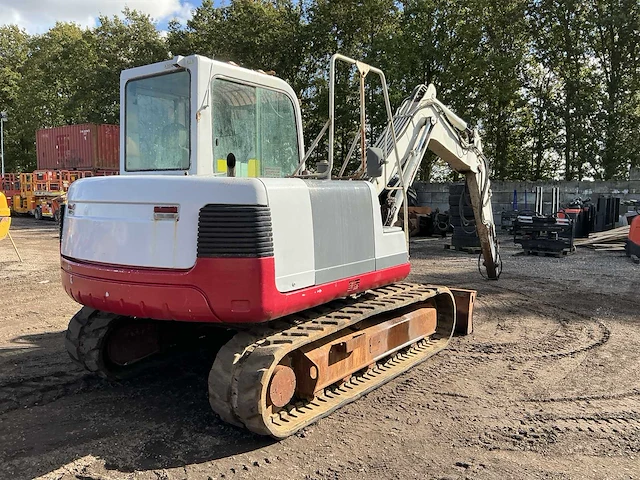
(424, 123)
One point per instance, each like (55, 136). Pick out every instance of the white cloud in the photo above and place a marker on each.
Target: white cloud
(185, 13)
(37, 16)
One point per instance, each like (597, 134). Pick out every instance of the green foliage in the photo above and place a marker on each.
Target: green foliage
(552, 85)
(616, 45)
(257, 34)
(121, 44)
(13, 55)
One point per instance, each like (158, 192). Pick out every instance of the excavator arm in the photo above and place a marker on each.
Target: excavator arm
(424, 123)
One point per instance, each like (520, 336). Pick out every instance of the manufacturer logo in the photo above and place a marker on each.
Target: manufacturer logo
(353, 285)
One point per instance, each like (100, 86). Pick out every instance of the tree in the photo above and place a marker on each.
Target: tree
(553, 85)
(13, 54)
(204, 33)
(69, 75)
(361, 29)
(616, 43)
(122, 43)
(54, 85)
(542, 91)
(502, 45)
(257, 34)
(560, 40)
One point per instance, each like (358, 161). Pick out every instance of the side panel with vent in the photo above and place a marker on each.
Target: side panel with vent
(283, 230)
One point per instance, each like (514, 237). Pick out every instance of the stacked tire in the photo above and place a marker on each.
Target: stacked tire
(461, 218)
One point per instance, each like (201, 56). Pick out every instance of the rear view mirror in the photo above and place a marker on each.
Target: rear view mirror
(375, 162)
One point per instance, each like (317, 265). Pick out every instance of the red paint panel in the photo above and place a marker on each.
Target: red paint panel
(563, 213)
(78, 147)
(226, 290)
(634, 230)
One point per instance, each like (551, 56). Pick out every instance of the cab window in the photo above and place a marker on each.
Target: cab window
(257, 127)
(157, 123)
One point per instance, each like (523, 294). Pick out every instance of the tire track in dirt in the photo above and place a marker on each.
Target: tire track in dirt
(597, 335)
(546, 363)
(587, 398)
(535, 356)
(541, 432)
(44, 389)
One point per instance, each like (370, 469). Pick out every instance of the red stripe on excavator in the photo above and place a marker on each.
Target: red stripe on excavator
(224, 290)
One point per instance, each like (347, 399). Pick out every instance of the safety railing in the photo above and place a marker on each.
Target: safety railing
(363, 70)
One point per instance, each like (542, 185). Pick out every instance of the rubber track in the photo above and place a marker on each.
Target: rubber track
(85, 334)
(240, 375)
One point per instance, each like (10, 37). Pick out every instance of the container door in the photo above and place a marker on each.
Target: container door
(62, 147)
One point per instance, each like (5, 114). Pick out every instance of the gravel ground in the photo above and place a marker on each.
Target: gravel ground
(546, 387)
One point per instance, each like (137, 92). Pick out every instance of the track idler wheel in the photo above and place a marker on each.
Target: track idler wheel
(282, 386)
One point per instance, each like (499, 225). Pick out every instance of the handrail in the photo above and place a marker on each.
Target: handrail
(364, 70)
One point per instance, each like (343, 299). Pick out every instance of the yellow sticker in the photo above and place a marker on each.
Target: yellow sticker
(254, 168)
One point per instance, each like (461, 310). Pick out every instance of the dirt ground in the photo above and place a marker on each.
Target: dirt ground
(548, 386)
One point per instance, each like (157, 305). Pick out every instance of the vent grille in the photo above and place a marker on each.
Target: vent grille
(235, 231)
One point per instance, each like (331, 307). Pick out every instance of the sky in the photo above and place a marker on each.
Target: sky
(37, 16)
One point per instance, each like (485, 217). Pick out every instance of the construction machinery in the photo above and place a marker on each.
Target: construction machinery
(37, 189)
(219, 218)
(5, 223)
(10, 186)
(5, 216)
(43, 192)
(632, 246)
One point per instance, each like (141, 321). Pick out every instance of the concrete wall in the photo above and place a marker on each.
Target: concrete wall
(436, 195)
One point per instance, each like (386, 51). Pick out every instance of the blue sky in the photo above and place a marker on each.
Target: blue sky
(37, 16)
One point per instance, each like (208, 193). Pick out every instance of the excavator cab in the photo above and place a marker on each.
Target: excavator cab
(196, 116)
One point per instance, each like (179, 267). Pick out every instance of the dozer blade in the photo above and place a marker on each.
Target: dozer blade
(278, 378)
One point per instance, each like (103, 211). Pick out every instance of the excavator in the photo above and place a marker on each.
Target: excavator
(220, 218)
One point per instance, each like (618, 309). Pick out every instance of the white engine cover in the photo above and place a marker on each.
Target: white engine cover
(111, 219)
(322, 231)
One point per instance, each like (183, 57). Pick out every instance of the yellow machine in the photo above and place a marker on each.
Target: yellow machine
(42, 192)
(5, 222)
(5, 217)
(37, 193)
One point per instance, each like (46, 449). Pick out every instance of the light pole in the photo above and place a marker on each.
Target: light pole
(3, 118)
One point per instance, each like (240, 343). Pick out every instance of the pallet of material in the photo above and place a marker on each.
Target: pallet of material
(611, 240)
(608, 247)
